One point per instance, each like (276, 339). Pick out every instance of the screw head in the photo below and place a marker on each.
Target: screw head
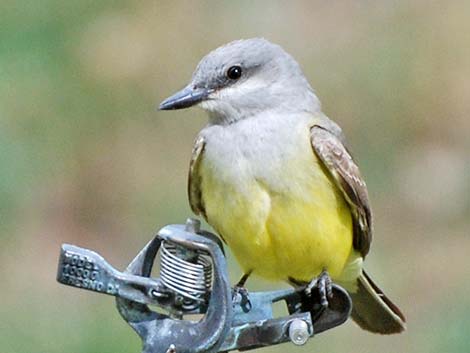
(298, 332)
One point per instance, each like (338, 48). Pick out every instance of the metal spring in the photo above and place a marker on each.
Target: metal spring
(187, 272)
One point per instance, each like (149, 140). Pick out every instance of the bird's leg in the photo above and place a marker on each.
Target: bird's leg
(242, 281)
(323, 284)
(240, 293)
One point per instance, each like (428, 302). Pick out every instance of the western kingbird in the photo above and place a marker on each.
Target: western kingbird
(271, 174)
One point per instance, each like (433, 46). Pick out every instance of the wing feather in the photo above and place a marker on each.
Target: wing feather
(194, 178)
(345, 173)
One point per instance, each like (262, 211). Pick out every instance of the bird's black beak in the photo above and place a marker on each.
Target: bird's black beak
(185, 98)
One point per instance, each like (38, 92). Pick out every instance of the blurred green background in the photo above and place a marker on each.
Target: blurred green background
(85, 157)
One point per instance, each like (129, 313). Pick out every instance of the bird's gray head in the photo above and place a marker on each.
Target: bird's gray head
(245, 77)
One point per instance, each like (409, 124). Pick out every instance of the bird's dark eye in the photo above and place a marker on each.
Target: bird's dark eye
(234, 72)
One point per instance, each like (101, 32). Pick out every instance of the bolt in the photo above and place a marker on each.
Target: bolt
(178, 300)
(298, 332)
(193, 225)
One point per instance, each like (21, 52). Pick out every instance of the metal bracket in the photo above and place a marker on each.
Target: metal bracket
(225, 324)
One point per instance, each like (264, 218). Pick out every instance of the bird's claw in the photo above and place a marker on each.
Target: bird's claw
(323, 284)
(241, 297)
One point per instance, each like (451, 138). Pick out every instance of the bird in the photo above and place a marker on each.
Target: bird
(271, 173)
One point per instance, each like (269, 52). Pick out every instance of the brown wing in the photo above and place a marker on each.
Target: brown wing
(194, 179)
(347, 177)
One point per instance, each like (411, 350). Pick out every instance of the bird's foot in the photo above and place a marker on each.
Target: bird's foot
(240, 296)
(323, 285)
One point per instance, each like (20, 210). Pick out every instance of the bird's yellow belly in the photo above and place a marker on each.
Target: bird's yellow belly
(291, 234)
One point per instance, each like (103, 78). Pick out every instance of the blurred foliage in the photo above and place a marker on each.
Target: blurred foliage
(85, 157)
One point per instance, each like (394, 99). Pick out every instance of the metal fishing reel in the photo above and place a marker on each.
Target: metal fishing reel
(193, 280)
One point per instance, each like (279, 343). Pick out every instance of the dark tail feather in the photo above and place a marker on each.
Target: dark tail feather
(373, 311)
